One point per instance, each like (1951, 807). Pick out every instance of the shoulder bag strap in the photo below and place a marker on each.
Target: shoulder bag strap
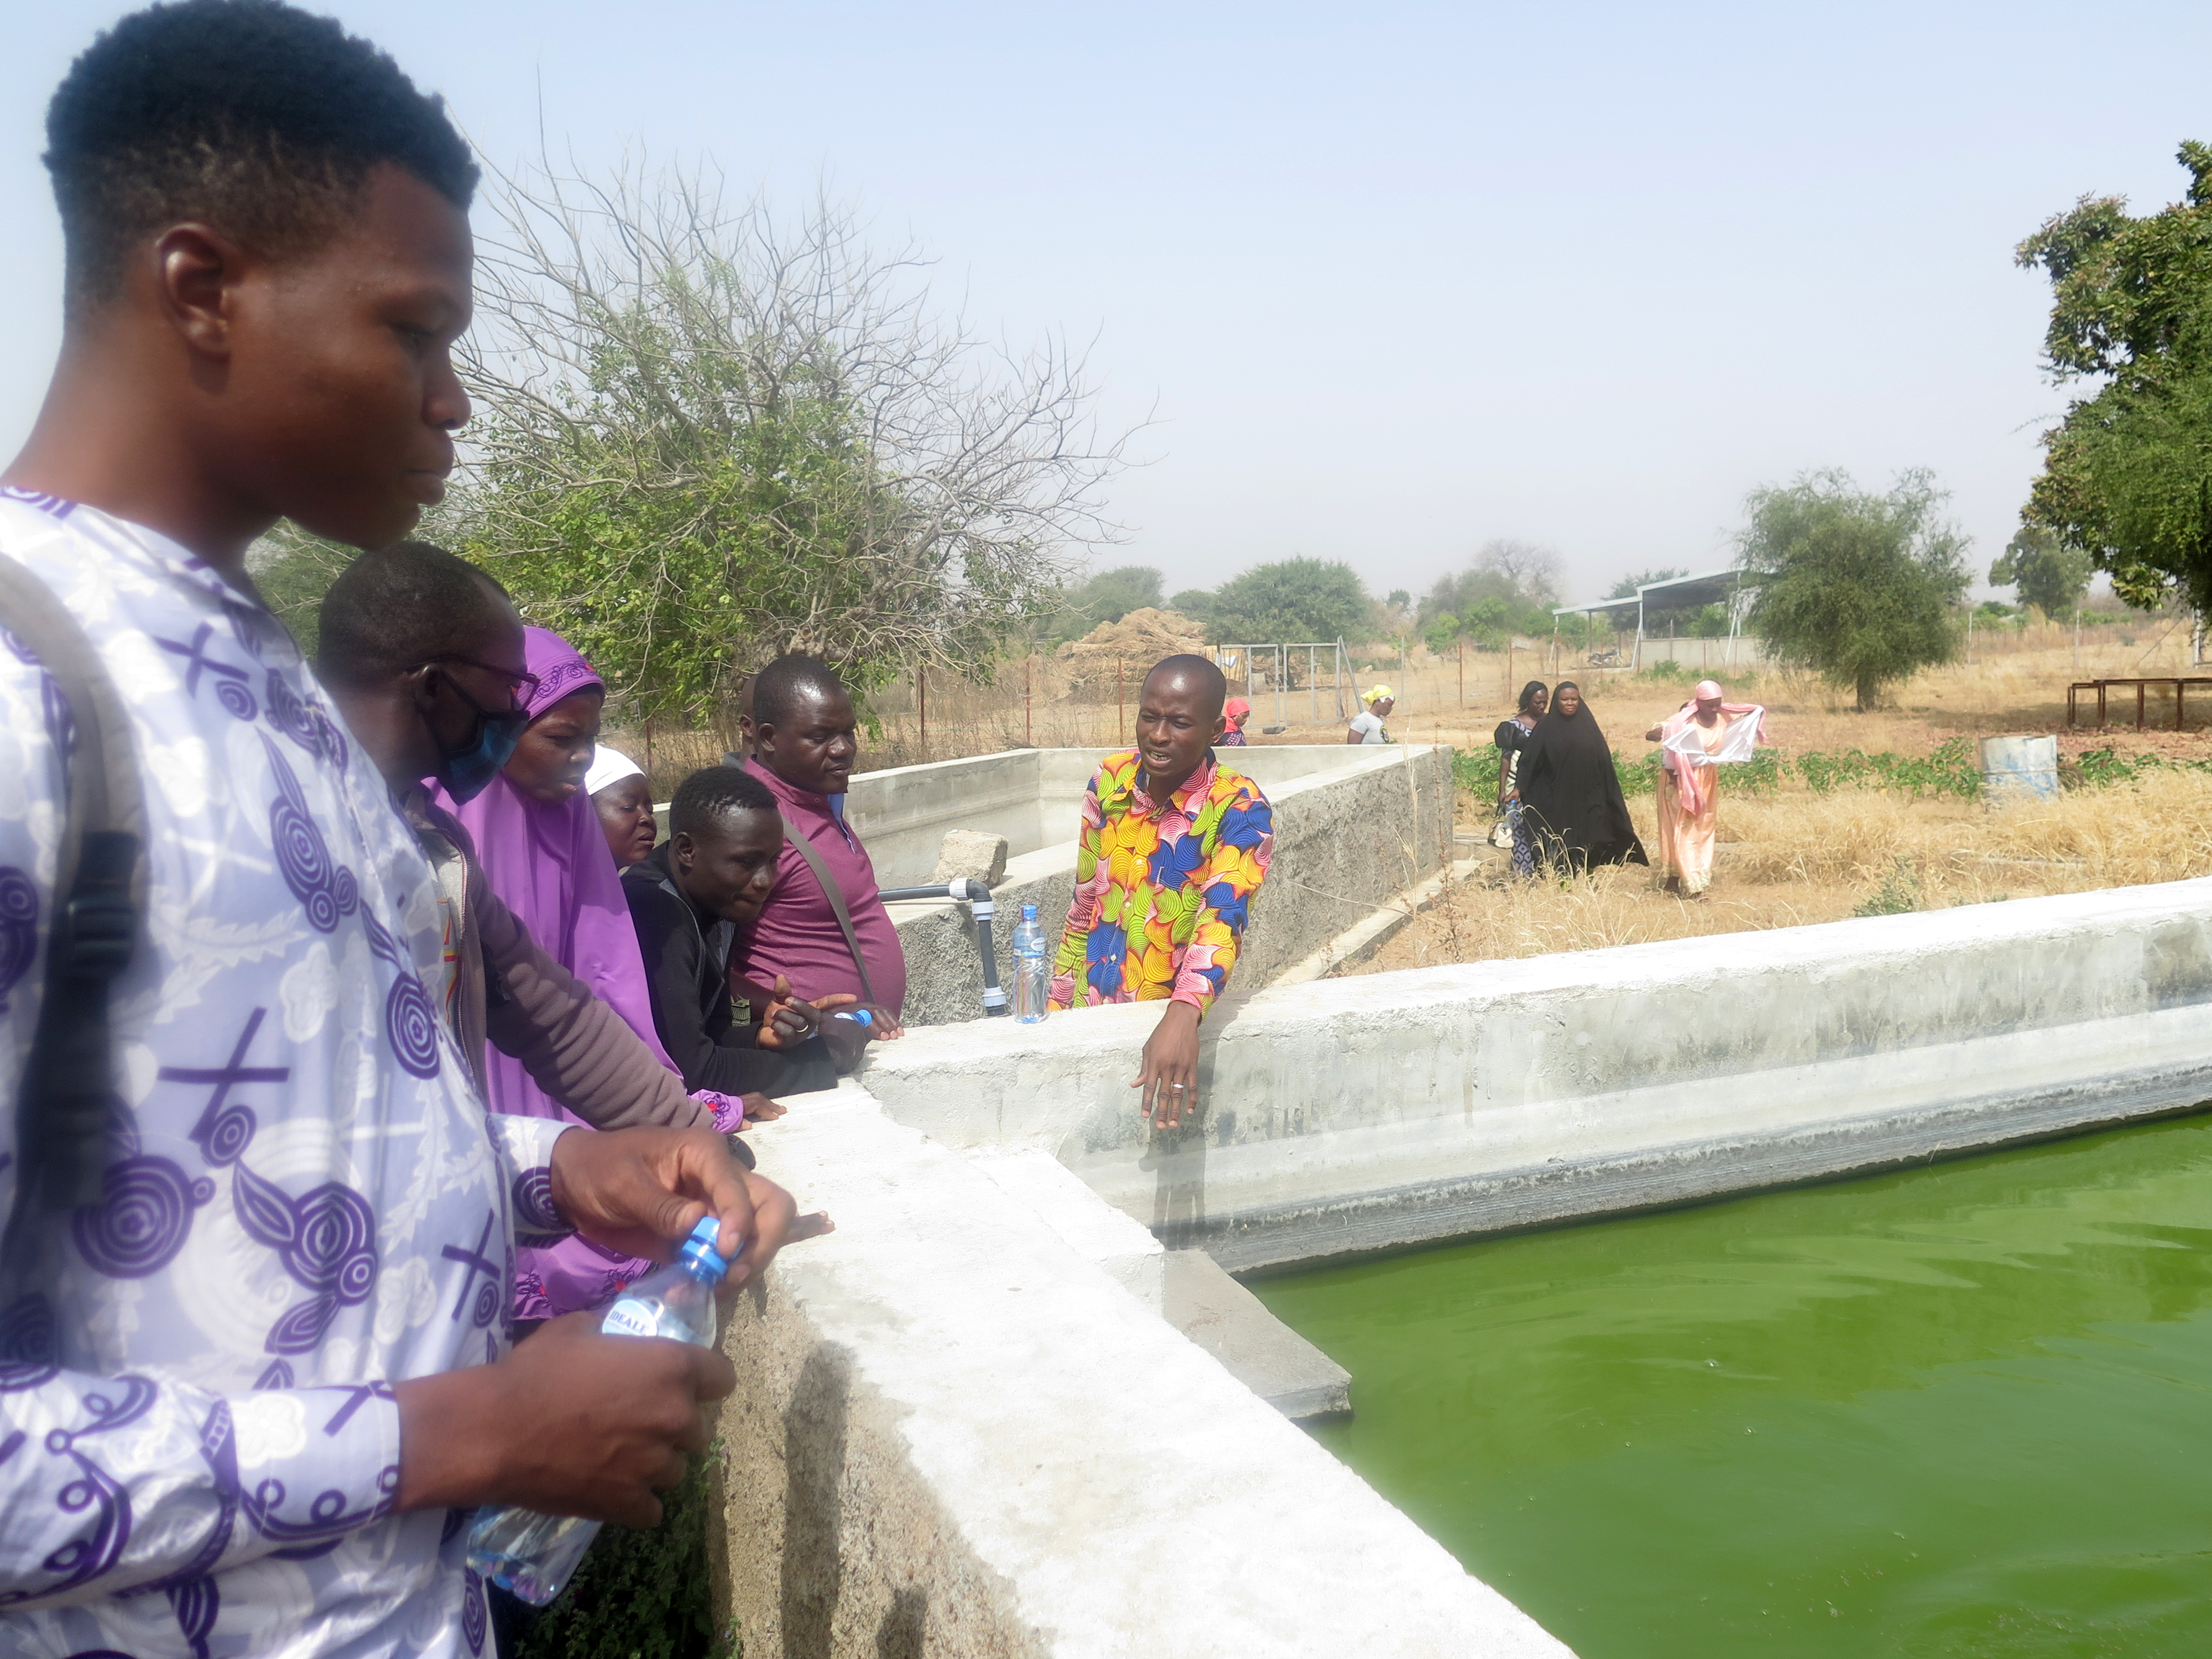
(68, 1083)
(836, 895)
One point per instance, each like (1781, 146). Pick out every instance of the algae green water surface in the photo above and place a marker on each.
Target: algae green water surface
(1966, 1410)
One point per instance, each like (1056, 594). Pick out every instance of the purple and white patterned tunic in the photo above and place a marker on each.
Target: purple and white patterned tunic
(306, 1202)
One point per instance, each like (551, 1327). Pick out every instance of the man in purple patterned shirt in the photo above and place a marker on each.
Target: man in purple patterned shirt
(249, 1397)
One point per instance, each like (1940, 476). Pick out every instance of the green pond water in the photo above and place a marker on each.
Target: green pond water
(1963, 1409)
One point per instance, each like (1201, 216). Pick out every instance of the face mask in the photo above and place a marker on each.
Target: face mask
(469, 772)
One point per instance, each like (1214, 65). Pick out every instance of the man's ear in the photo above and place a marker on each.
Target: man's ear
(420, 686)
(196, 273)
(681, 849)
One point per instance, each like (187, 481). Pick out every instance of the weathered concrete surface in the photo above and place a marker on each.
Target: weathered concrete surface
(951, 1436)
(1095, 1231)
(1254, 1346)
(1353, 825)
(1357, 1114)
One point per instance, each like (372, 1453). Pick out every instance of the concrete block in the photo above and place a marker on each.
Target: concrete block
(1254, 1346)
(977, 854)
(1082, 1220)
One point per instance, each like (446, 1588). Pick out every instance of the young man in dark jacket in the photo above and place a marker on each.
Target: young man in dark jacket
(688, 901)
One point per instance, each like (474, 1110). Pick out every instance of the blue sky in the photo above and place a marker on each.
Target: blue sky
(1392, 280)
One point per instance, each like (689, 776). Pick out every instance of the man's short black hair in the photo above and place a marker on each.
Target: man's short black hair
(712, 793)
(1201, 672)
(258, 119)
(779, 687)
(398, 607)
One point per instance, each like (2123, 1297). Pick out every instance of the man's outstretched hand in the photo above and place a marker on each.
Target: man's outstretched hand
(641, 1191)
(1168, 1077)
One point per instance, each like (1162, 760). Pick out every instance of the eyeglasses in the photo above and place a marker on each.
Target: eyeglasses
(520, 687)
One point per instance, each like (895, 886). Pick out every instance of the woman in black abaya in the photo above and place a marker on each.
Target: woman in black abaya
(1570, 792)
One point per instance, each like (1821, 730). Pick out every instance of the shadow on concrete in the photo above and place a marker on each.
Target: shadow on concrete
(906, 1623)
(814, 1464)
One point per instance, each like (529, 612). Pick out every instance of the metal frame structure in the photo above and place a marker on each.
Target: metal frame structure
(1246, 658)
(1711, 587)
(2180, 683)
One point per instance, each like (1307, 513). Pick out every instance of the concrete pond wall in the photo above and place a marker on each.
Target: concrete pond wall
(962, 1428)
(1353, 825)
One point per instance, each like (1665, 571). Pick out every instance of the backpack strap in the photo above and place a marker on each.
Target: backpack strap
(62, 1109)
(836, 895)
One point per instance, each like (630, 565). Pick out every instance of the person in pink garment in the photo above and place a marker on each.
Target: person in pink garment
(804, 741)
(1696, 735)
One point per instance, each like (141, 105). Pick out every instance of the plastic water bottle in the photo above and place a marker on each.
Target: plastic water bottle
(532, 1555)
(1032, 968)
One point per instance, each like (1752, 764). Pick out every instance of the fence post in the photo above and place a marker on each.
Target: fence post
(1120, 703)
(1028, 665)
(1463, 671)
(921, 705)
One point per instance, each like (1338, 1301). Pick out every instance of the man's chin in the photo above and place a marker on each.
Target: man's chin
(358, 523)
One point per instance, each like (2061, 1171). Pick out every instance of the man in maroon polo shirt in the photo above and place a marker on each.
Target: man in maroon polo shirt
(804, 744)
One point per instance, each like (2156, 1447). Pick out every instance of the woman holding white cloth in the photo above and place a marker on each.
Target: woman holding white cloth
(1702, 735)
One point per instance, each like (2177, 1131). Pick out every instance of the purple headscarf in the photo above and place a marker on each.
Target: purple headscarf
(551, 866)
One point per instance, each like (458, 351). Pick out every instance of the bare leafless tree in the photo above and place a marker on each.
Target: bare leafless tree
(1532, 569)
(707, 433)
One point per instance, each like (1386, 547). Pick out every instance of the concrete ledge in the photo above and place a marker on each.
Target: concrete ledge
(951, 1436)
(1357, 1114)
(1254, 1346)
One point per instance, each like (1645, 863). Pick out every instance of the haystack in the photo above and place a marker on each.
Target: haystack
(1126, 649)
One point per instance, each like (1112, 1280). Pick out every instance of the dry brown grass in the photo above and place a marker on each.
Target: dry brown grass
(1796, 857)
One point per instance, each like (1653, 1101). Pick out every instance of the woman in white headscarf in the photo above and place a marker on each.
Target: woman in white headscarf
(1698, 737)
(623, 800)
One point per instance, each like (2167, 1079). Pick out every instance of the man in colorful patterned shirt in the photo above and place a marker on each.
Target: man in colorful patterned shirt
(254, 1381)
(1174, 846)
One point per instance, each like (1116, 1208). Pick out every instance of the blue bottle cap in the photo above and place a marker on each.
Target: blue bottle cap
(858, 1016)
(699, 1253)
(1029, 913)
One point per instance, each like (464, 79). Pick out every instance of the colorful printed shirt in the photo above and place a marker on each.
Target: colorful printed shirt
(1163, 889)
(306, 1200)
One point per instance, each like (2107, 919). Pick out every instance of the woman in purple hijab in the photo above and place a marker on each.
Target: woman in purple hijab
(544, 853)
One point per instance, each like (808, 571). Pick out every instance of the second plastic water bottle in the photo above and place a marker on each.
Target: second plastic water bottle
(532, 1554)
(1032, 968)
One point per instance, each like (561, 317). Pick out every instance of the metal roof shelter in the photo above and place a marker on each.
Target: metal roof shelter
(1675, 593)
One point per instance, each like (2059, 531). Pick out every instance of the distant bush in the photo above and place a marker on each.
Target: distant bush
(2094, 768)
(1952, 770)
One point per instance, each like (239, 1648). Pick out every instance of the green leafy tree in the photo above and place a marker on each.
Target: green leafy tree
(2050, 575)
(706, 436)
(1293, 600)
(1508, 589)
(1858, 587)
(2127, 476)
(1196, 603)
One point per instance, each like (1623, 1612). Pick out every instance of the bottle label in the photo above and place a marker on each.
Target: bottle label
(631, 1317)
